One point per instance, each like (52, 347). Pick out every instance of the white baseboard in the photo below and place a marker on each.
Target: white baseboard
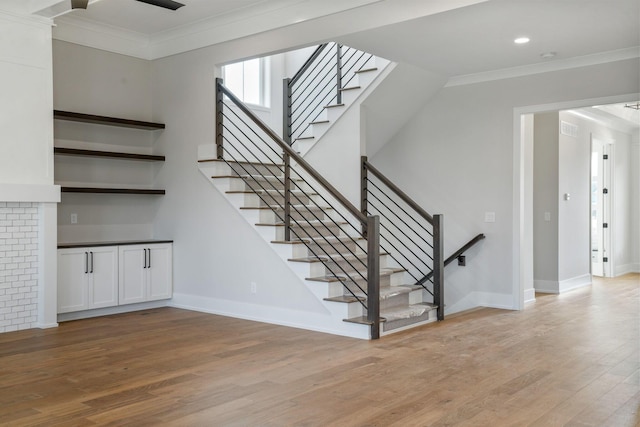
(529, 295)
(46, 325)
(574, 283)
(546, 286)
(621, 270)
(319, 322)
(493, 300)
(86, 314)
(554, 287)
(482, 299)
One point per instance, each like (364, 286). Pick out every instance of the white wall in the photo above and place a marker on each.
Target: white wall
(574, 254)
(93, 81)
(26, 167)
(621, 192)
(545, 200)
(456, 158)
(25, 105)
(216, 255)
(635, 193)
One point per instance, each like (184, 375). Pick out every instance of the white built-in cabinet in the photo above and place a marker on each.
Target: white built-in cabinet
(92, 277)
(87, 278)
(145, 273)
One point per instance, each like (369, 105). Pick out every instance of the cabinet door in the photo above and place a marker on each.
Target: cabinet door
(132, 274)
(103, 276)
(73, 280)
(160, 272)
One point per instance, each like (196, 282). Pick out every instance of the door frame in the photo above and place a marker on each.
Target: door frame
(608, 148)
(522, 224)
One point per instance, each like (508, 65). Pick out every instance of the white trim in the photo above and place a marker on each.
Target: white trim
(546, 286)
(529, 295)
(493, 300)
(621, 270)
(527, 70)
(47, 265)
(107, 311)
(36, 193)
(574, 283)
(268, 314)
(519, 226)
(101, 36)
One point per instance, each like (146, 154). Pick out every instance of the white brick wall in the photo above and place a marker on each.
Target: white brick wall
(18, 266)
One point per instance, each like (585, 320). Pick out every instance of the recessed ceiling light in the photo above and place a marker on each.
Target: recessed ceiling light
(522, 40)
(548, 55)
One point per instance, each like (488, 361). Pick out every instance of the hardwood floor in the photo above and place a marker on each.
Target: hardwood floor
(571, 360)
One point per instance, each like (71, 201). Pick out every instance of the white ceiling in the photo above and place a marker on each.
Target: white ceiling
(479, 38)
(474, 38)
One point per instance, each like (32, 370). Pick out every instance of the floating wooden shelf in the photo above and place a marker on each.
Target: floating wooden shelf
(103, 120)
(99, 190)
(110, 154)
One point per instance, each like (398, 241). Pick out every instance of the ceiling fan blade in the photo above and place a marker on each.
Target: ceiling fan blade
(167, 4)
(79, 4)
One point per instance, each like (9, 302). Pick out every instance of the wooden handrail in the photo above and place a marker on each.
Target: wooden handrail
(408, 200)
(308, 63)
(294, 155)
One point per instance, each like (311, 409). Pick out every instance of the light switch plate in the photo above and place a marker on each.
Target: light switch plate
(489, 217)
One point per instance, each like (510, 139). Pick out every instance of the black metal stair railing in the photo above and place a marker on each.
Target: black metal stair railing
(319, 83)
(297, 194)
(412, 237)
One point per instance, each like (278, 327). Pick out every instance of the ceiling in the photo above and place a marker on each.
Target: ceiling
(473, 38)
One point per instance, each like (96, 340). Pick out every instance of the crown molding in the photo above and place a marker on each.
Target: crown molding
(207, 32)
(563, 64)
(101, 36)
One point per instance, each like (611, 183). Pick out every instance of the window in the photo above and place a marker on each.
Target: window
(249, 81)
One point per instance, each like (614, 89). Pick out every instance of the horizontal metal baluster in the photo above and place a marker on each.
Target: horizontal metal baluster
(401, 220)
(328, 74)
(400, 207)
(255, 133)
(327, 241)
(328, 51)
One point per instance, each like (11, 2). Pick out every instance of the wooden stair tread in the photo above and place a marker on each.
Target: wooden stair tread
(366, 70)
(304, 224)
(333, 258)
(234, 162)
(334, 105)
(318, 122)
(347, 299)
(305, 138)
(345, 89)
(278, 207)
(362, 320)
(338, 278)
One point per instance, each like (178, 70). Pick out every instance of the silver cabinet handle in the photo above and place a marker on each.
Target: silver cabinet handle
(91, 271)
(145, 259)
(86, 262)
(149, 263)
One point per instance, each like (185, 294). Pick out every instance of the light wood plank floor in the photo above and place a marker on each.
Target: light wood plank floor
(567, 360)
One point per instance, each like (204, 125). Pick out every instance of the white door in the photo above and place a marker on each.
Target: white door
(159, 270)
(601, 161)
(132, 274)
(73, 279)
(103, 276)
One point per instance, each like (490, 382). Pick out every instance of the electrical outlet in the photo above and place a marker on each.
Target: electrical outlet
(547, 216)
(254, 287)
(74, 218)
(489, 217)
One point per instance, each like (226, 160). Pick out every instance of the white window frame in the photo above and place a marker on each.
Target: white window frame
(264, 90)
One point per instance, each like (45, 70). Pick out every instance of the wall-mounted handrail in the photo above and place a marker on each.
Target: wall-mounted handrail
(455, 255)
(294, 155)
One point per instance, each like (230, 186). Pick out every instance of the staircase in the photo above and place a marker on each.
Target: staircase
(327, 259)
(376, 269)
